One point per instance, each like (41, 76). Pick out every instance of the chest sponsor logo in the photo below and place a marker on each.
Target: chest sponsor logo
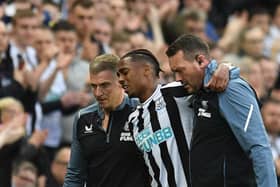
(88, 129)
(202, 112)
(126, 137)
(146, 139)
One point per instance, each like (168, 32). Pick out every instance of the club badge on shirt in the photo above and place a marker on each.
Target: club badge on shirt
(88, 129)
(160, 104)
(203, 111)
(126, 134)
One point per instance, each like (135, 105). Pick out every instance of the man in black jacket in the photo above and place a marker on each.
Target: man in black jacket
(229, 145)
(103, 152)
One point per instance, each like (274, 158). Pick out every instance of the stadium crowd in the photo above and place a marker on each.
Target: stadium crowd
(46, 47)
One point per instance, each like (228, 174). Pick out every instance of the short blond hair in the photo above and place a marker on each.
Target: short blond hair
(104, 62)
(10, 101)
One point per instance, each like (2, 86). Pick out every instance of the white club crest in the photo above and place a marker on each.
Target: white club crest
(88, 129)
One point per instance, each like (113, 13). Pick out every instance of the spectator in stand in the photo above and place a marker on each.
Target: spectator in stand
(102, 31)
(15, 145)
(259, 17)
(195, 23)
(82, 16)
(52, 83)
(271, 118)
(251, 71)
(252, 43)
(67, 40)
(118, 9)
(15, 84)
(104, 7)
(58, 167)
(272, 40)
(270, 72)
(138, 40)
(204, 6)
(12, 130)
(25, 24)
(12, 121)
(120, 43)
(25, 174)
(231, 33)
(249, 44)
(12, 81)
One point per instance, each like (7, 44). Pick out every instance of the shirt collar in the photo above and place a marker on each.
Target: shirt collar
(152, 96)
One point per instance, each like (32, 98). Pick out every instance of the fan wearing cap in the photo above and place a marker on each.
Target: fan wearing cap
(162, 123)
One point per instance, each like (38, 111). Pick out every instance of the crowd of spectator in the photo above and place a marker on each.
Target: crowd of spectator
(46, 47)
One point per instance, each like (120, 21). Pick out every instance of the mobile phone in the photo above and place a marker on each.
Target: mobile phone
(21, 62)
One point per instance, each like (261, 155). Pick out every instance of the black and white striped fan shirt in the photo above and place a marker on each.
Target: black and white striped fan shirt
(162, 128)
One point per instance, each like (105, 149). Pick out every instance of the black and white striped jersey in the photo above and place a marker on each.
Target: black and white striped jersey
(162, 129)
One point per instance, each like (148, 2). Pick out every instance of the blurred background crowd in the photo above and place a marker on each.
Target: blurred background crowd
(46, 47)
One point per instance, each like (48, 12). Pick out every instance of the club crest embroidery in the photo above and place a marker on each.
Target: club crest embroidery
(160, 104)
(88, 129)
(203, 111)
(204, 104)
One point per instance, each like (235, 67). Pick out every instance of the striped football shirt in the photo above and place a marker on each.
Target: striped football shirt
(162, 129)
